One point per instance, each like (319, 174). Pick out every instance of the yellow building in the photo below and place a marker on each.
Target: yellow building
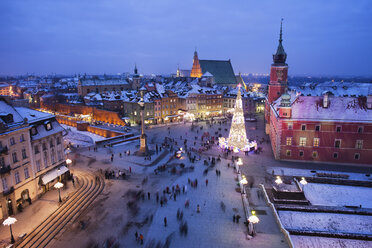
(22, 177)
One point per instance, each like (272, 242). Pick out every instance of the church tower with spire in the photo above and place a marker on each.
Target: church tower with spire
(278, 77)
(196, 70)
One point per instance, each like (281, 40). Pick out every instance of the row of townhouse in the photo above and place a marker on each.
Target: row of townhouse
(32, 156)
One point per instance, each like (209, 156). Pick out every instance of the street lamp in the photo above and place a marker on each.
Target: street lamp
(303, 182)
(239, 163)
(58, 186)
(9, 222)
(68, 161)
(243, 182)
(278, 180)
(254, 220)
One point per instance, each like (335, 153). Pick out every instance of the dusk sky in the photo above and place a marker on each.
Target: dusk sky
(69, 36)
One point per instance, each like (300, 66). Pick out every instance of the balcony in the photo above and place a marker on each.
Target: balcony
(9, 191)
(3, 150)
(5, 169)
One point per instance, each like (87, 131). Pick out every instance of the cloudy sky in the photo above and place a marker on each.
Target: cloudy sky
(332, 37)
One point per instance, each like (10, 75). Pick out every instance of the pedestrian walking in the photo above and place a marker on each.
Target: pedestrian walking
(161, 203)
(141, 238)
(237, 218)
(157, 197)
(206, 182)
(198, 208)
(234, 218)
(136, 235)
(165, 221)
(130, 169)
(148, 195)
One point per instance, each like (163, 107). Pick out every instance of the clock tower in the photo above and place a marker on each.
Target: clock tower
(278, 78)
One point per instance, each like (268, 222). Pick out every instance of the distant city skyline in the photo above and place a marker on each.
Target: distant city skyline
(97, 37)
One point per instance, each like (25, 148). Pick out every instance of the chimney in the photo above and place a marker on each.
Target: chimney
(325, 100)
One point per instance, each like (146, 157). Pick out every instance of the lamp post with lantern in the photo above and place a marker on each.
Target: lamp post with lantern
(9, 222)
(253, 220)
(58, 186)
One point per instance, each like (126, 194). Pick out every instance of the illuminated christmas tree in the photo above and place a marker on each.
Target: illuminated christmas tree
(238, 136)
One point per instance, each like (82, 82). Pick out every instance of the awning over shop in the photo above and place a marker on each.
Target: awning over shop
(53, 174)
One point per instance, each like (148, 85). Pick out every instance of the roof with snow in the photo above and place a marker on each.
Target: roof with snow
(335, 88)
(340, 109)
(93, 82)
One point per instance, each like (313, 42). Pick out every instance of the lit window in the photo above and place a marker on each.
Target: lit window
(359, 144)
(289, 141)
(315, 154)
(302, 141)
(316, 142)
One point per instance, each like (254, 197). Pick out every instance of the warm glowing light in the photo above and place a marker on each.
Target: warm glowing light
(9, 221)
(253, 219)
(68, 161)
(303, 181)
(58, 185)
(278, 180)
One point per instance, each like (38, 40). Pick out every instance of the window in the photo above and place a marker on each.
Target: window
(335, 155)
(301, 153)
(24, 154)
(14, 156)
(356, 156)
(59, 154)
(290, 126)
(337, 143)
(338, 129)
(16, 177)
(316, 142)
(22, 138)
(51, 143)
(12, 141)
(48, 126)
(359, 144)
(58, 140)
(303, 127)
(5, 184)
(36, 148)
(44, 146)
(317, 128)
(360, 129)
(315, 154)
(27, 175)
(52, 155)
(38, 168)
(33, 131)
(45, 159)
(288, 153)
(302, 141)
(289, 141)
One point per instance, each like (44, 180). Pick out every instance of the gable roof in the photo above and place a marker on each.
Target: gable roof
(221, 70)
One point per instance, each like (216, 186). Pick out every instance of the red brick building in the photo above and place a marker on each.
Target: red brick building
(329, 122)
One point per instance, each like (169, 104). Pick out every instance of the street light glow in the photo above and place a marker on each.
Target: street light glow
(278, 180)
(303, 181)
